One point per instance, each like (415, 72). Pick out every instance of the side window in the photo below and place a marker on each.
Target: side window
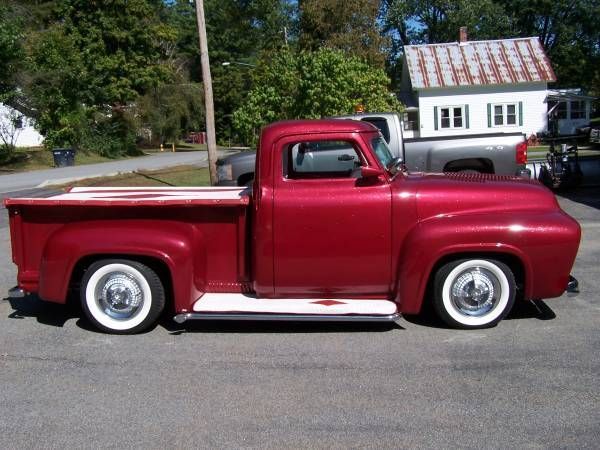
(320, 159)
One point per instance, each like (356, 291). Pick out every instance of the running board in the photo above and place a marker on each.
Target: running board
(232, 306)
(181, 318)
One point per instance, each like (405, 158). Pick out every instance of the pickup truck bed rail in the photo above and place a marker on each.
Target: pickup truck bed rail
(101, 196)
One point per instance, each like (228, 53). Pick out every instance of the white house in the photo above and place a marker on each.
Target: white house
(568, 109)
(474, 87)
(18, 129)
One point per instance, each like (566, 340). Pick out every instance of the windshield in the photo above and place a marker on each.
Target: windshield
(382, 152)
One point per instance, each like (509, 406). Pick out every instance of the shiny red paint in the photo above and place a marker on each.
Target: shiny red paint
(372, 237)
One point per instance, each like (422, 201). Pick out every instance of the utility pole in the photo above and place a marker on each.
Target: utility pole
(208, 94)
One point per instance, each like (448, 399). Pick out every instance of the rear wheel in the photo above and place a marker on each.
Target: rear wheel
(122, 296)
(474, 293)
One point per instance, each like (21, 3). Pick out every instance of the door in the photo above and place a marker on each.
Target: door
(332, 229)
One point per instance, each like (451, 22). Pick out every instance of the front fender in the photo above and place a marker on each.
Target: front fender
(521, 237)
(178, 245)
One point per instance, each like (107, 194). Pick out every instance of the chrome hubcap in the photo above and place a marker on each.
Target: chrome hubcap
(119, 295)
(475, 291)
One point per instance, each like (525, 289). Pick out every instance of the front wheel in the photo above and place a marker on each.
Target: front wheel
(122, 296)
(474, 293)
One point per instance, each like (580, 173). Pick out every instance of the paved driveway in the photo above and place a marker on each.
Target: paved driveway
(530, 382)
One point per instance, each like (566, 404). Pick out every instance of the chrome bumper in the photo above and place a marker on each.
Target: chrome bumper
(572, 286)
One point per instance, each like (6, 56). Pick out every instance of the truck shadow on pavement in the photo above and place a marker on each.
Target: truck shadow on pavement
(57, 315)
(589, 196)
(535, 309)
(46, 313)
(283, 327)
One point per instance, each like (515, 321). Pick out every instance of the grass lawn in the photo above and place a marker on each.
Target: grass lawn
(541, 149)
(175, 176)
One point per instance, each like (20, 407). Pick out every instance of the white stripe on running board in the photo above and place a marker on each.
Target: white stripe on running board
(241, 303)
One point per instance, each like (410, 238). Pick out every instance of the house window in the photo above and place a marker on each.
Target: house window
(505, 114)
(452, 117)
(561, 110)
(578, 109)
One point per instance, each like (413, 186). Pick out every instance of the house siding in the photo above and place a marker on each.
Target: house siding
(27, 136)
(531, 95)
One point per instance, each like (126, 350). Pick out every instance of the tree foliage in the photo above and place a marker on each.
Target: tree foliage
(94, 74)
(417, 22)
(289, 85)
(568, 29)
(11, 52)
(348, 25)
(90, 62)
(170, 110)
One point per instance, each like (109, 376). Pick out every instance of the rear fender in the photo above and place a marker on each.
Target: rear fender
(435, 239)
(177, 245)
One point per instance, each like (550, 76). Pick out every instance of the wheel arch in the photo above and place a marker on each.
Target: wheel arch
(413, 290)
(174, 250)
(482, 165)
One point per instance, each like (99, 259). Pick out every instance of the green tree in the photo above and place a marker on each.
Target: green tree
(11, 53)
(327, 82)
(433, 21)
(170, 110)
(348, 25)
(238, 30)
(569, 31)
(88, 64)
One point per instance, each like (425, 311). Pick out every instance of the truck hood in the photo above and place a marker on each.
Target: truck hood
(459, 193)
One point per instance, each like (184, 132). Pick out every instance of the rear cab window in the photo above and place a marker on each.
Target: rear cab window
(381, 124)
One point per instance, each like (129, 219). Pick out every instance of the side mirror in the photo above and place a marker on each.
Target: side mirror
(370, 172)
(398, 161)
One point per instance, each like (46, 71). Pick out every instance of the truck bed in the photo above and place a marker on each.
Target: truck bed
(197, 222)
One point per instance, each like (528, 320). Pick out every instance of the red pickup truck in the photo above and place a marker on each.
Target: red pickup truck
(332, 229)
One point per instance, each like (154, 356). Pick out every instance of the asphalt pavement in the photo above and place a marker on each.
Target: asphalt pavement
(531, 382)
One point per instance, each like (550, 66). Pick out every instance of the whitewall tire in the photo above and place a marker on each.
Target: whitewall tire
(122, 296)
(474, 293)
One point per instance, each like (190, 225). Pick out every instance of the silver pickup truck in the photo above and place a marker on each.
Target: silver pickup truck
(499, 153)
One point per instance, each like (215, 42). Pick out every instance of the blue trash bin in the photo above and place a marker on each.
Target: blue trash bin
(63, 157)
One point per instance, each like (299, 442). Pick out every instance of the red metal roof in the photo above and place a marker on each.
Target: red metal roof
(473, 63)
